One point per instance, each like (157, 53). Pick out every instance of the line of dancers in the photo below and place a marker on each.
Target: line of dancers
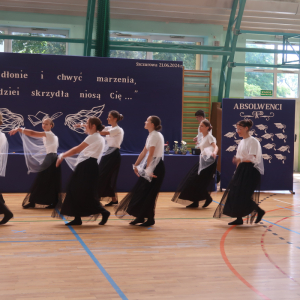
(96, 163)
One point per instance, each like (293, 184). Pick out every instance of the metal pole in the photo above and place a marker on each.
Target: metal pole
(226, 46)
(89, 27)
(233, 46)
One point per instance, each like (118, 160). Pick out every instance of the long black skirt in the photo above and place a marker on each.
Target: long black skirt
(140, 202)
(242, 195)
(46, 189)
(195, 187)
(81, 199)
(108, 174)
(3, 208)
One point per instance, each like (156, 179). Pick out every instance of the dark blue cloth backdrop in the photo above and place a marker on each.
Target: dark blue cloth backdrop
(154, 88)
(274, 122)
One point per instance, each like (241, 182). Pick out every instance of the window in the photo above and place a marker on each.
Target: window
(190, 61)
(29, 46)
(128, 54)
(1, 43)
(281, 81)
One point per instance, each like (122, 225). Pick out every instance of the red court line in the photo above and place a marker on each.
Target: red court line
(230, 266)
(267, 255)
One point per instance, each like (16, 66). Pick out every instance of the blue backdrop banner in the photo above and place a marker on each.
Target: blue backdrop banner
(274, 122)
(70, 89)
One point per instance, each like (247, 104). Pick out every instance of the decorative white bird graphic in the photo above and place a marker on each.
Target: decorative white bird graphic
(230, 134)
(280, 126)
(40, 116)
(259, 139)
(237, 141)
(251, 132)
(231, 148)
(284, 148)
(281, 136)
(10, 120)
(82, 116)
(267, 157)
(262, 127)
(268, 136)
(270, 146)
(280, 157)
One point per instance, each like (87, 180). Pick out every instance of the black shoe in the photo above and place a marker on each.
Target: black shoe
(105, 216)
(207, 202)
(137, 220)
(29, 205)
(111, 203)
(194, 204)
(6, 218)
(260, 215)
(238, 221)
(76, 221)
(148, 223)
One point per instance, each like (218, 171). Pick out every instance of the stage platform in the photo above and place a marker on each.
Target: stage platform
(18, 181)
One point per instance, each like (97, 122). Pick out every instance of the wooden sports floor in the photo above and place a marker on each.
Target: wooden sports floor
(186, 255)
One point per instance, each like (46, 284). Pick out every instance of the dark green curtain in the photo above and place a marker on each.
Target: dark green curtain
(102, 31)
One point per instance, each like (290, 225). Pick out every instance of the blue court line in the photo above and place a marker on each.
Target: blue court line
(37, 241)
(281, 226)
(101, 268)
(289, 209)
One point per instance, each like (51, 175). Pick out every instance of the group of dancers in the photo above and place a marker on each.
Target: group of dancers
(96, 163)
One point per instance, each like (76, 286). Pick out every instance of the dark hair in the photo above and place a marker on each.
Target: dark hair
(157, 122)
(200, 113)
(207, 124)
(116, 115)
(245, 123)
(97, 122)
(1, 119)
(51, 121)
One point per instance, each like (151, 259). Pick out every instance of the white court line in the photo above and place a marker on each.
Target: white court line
(284, 202)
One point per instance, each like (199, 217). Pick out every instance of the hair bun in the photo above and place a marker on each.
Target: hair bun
(121, 117)
(158, 128)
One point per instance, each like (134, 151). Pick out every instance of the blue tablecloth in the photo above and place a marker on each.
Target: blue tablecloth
(18, 181)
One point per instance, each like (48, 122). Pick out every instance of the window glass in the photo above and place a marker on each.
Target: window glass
(287, 85)
(260, 58)
(128, 54)
(257, 81)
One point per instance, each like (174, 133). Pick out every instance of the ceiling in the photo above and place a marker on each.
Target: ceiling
(262, 15)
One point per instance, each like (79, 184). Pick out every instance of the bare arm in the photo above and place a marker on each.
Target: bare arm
(216, 149)
(28, 132)
(71, 152)
(138, 161)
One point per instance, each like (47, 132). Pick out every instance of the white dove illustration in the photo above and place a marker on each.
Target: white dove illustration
(231, 148)
(270, 146)
(262, 127)
(281, 136)
(268, 136)
(280, 126)
(10, 120)
(284, 148)
(267, 157)
(280, 157)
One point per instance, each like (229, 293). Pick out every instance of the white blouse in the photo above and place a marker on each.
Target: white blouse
(95, 145)
(156, 139)
(206, 142)
(50, 142)
(250, 149)
(115, 137)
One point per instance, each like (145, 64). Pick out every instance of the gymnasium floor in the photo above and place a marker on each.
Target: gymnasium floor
(186, 255)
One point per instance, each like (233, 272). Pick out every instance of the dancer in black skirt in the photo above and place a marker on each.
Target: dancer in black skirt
(46, 189)
(200, 116)
(195, 186)
(111, 160)
(4, 210)
(150, 169)
(240, 198)
(82, 198)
